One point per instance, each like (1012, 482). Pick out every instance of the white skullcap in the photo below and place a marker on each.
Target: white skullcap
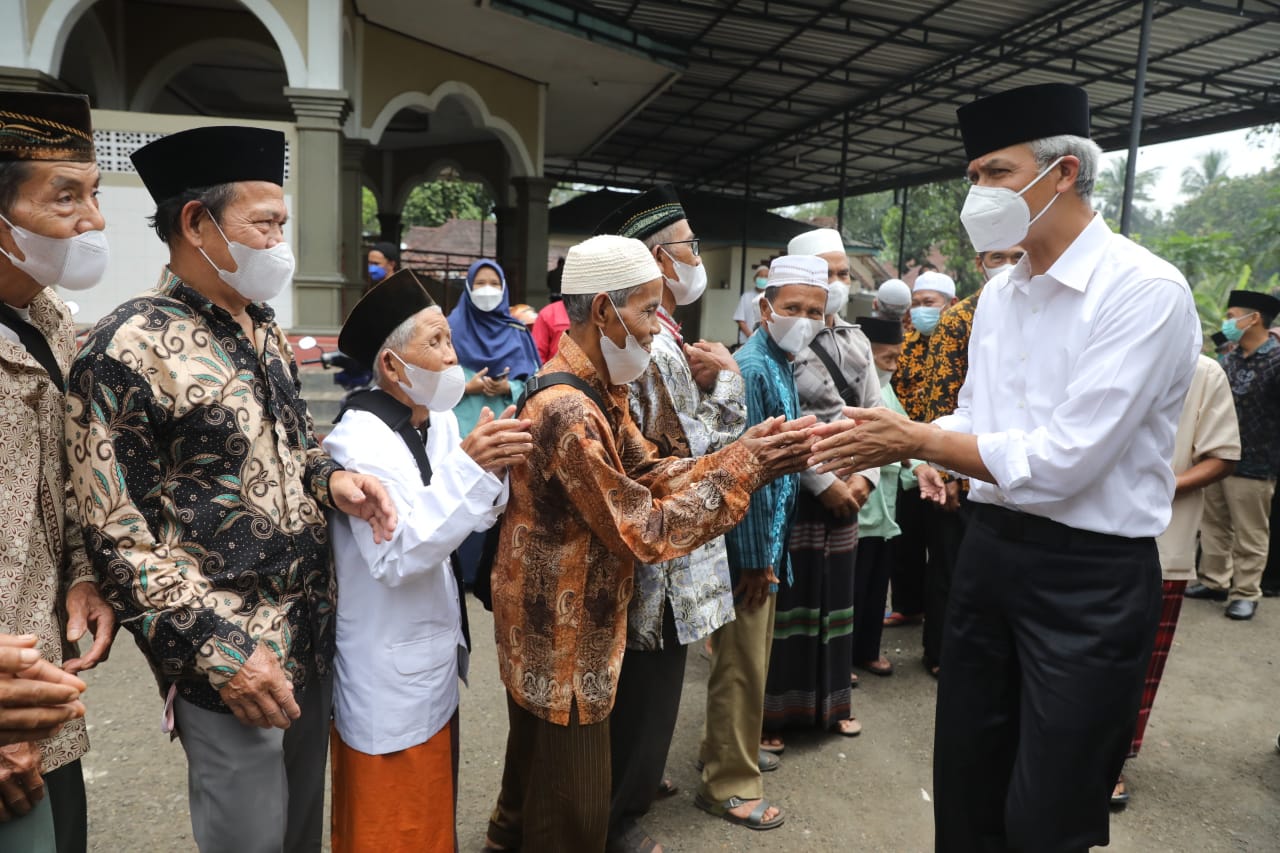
(941, 282)
(606, 263)
(816, 242)
(894, 295)
(798, 269)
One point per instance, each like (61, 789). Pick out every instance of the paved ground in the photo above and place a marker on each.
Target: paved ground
(1208, 779)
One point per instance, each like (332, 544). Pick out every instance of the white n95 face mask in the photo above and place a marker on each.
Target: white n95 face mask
(690, 281)
(992, 272)
(837, 297)
(260, 274)
(438, 390)
(486, 298)
(793, 334)
(73, 263)
(998, 217)
(626, 364)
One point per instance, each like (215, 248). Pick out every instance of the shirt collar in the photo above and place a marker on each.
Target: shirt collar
(175, 288)
(579, 365)
(1075, 266)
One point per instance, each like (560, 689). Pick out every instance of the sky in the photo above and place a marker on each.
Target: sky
(1244, 157)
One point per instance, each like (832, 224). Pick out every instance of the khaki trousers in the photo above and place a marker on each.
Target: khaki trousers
(1234, 536)
(735, 705)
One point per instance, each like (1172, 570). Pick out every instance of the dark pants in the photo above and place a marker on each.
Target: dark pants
(912, 554)
(870, 588)
(65, 789)
(642, 725)
(1048, 636)
(944, 531)
(555, 785)
(1271, 575)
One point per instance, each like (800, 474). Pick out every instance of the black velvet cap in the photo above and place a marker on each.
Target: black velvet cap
(208, 156)
(881, 331)
(644, 215)
(1253, 300)
(1022, 115)
(45, 126)
(395, 299)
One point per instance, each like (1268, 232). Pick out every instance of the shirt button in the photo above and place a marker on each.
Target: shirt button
(1022, 404)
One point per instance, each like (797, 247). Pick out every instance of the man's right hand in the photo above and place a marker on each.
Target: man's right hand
(838, 500)
(754, 588)
(782, 447)
(497, 444)
(36, 697)
(20, 784)
(260, 694)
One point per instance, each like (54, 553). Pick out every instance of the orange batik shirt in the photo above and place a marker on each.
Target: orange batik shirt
(594, 498)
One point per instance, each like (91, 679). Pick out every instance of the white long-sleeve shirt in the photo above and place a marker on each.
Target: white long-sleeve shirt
(400, 649)
(1076, 382)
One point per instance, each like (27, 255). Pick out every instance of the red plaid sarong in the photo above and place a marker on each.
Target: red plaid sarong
(1169, 611)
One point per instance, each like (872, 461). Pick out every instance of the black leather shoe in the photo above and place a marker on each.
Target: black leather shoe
(1241, 610)
(1204, 593)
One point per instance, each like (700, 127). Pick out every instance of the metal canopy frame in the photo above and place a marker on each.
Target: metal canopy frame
(788, 101)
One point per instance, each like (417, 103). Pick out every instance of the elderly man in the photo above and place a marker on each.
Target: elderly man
(689, 402)
(50, 236)
(401, 638)
(1066, 426)
(593, 500)
(203, 490)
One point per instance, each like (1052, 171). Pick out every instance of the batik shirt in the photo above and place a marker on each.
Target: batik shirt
(911, 377)
(1255, 383)
(594, 498)
(760, 540)
(947, 359)
(682, 420)
(41, 551)
(202, 490)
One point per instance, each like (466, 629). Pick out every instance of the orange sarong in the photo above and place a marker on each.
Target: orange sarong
(402, 801)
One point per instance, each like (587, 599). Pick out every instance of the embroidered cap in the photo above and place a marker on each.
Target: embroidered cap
(808, 270)
(45, 126)
(608, 262)
(819, 241)
(392, 301)
(644, 215)
(209, 156)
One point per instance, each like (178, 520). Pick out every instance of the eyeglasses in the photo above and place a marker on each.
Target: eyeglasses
(692, 244)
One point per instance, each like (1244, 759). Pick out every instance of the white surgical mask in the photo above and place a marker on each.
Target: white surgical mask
(793, 334)
(690, 281)
(998, 217)
(992, 272)
(626, 364)
(73, 263)
(837, 297)
(885, 376)
(486, 298)
(438, 390)
(260, 274)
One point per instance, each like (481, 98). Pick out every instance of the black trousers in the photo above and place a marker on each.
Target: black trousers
(65, 789)
(1047, 641)
(642, 725)
(870, 588)
(944, 531)
(1271, 575)
(911, 554)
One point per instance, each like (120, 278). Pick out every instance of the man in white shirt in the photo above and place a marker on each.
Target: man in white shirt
(1080, 360)
(401, 638)
(747, 314)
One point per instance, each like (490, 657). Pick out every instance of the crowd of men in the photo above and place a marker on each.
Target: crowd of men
(1027, 447)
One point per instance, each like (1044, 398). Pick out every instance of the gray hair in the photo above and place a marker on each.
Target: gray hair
(663, 235)
(400, 338)
(578, 305)
(13, 174)
(1085, 150)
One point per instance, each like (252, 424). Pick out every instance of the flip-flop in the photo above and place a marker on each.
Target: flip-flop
(882, 666)
(840, 730)
(755, 820)
(1121, 799)
(772, 749)
(667, 788)
(634, 840)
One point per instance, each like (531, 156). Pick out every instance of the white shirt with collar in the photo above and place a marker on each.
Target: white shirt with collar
(1076, 381)
(400, 649)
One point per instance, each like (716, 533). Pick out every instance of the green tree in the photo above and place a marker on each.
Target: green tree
(435, 202)
(1246, 210)
(369, 212)
(1108, 194)
(1212, 168)
(933, 222)
(863, 215)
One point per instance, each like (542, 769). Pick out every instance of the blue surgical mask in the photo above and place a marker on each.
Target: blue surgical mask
(1232, 330)
(376, 273)
(925, 319)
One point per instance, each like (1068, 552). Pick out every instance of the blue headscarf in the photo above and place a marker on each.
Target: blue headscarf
(492, 339)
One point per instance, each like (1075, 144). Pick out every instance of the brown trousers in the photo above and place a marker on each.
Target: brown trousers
(1234, 536)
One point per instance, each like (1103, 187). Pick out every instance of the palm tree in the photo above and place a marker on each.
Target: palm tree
(1109, 190)
(1213, 168)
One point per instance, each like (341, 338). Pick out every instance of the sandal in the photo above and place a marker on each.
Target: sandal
(667, 788)
(1119, 794)
(853, 679)
(843, 728)
(755, 820)
(772, 748)
(767, 762)
(882, 666)
(633, 840)
(895, 619)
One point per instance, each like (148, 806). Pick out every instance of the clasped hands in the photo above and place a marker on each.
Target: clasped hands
(870, 438)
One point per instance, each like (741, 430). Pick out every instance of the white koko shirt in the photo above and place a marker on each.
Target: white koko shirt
(399, 635)
(1076, 381)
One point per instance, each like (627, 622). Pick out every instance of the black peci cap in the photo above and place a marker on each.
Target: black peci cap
(209, 156)
(881, 331)
(397, 298)
(1263, 303)
(1022, 115)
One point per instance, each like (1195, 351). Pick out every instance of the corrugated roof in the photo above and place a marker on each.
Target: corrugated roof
(773, 91)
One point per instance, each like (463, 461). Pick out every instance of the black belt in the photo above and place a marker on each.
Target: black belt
(1035, 529)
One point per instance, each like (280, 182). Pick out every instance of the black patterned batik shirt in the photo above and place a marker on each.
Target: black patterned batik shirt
(1255, 384)
(202, 490)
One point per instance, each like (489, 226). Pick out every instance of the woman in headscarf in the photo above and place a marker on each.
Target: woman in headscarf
(497, 355)
(495, 350)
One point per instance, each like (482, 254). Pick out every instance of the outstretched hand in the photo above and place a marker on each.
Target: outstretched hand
(497, 444)
(782, 447)
(364, 496)
(865, 438)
